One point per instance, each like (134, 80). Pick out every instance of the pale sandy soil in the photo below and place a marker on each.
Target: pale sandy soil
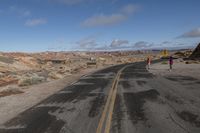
(179, 68)
(11, 106)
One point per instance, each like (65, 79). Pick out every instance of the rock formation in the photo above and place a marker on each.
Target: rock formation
(196, 53)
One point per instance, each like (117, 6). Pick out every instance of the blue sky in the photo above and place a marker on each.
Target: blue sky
(56, 25)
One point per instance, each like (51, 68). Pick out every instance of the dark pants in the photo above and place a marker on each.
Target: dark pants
(170, 66)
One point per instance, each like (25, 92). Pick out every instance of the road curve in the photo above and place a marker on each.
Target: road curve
(120, 99)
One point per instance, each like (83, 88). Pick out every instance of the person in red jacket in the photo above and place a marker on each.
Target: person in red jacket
(170, 62)
(148, 62)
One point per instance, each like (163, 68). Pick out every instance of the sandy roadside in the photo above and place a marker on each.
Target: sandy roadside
(179, 68)
(179, 90)
(11, 106)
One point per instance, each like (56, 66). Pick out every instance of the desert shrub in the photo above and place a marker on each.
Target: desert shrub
(26, 81)
(164, 63)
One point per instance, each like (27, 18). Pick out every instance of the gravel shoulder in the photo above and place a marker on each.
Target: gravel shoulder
(179, 68)
(13, 105)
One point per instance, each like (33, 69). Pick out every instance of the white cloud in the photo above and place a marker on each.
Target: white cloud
(166, 42)
(104, 20)
(111, 19)
(142, 44)
(22, 12)
(130, 8)
(104, 47)
(35, 22)
(118, 43)
(191, 34)
(88, 42)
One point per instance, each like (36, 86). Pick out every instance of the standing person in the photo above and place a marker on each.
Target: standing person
(148, 62)
(170, 62)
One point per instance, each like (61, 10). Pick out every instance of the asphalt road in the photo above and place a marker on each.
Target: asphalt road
(120, 99)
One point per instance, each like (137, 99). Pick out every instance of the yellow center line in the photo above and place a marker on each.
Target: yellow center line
(108, 109)
(100, 125)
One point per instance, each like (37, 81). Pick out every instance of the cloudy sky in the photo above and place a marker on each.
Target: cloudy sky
(55, 25)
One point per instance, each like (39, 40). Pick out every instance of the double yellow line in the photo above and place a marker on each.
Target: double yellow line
(105, 122)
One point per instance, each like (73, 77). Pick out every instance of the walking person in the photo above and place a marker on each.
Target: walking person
(148, 62)
(170, 63)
